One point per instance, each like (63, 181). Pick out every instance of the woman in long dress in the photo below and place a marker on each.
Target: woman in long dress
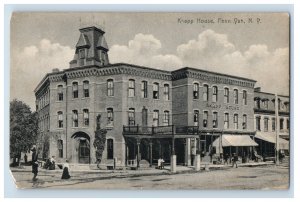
(66, 174)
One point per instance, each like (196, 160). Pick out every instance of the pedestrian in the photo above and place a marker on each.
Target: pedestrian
(159, 163)
(25, 158)
(226, 156)
(162, 166)
(35, 163)
(234, 160)
(66, 174)
(52, 163)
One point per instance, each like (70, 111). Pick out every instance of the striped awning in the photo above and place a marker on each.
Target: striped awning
(271, 137)
(235, 141)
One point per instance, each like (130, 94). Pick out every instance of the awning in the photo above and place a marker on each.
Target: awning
(234, 141)
(271, 137)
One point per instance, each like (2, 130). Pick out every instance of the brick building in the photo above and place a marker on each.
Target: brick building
(148, 113)
(265, 121)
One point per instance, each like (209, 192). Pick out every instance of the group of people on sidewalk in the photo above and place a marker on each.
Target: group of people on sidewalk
(35, 166)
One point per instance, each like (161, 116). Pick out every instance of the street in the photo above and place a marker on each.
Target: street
(262, 177)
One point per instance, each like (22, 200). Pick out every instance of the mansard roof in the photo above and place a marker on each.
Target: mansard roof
(102, 43)
(83, 41)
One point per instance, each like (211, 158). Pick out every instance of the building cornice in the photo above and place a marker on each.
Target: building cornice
(188, 72)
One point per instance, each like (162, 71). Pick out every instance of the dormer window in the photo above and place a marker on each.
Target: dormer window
(81, 56)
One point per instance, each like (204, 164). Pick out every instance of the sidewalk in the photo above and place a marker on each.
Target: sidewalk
(152, 170)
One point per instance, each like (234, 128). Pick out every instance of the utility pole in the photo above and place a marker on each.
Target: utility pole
(277, 131)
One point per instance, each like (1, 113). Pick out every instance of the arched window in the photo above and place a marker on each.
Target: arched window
(205, 92)
(110, 117)
(166, 118)
(155, 118)
(75, 89)
(196, 91)
(75, 118)
(226, 121)
(144, 89)
(110, 148)
(110, 87)
(60, 119)
(235, 121)
(244, 121)
(60, 147)
(196, 117)
(131, 88)
(86, 92)
(215, 94)
(155, 91)
(215, 120)
(236, 96)
(60, 93)
(86, 120)
(226, 95)
(205, 117)
(166, 91)
(244, 97)
(131, 117)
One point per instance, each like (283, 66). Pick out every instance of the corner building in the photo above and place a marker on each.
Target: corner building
(148, 113)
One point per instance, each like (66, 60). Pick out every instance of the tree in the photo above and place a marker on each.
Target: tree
(23, 129)
(99, 142)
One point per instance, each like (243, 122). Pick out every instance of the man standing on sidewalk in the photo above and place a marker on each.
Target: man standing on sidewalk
(35, 163)
(234, 160)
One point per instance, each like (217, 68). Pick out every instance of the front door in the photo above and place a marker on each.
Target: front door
(84, 152)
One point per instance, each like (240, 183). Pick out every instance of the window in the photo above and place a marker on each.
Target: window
(131, 117)
(215, 94)
(215, 119)
(81, 54)
(244, 121)
(110, 117)
(86, 91)
(235, 96)
(244, 97)
(131, 88)
(257, 123)
(226, 95)
(75, 90)
(257, 103)
(205, 117)
(75, 118)
(110, 87)
(196, 117)
(266, 124)
(281, 124)
(144, 89)
(205, 92)
(155, 118)
(273, 124)
(86, 117)
(287, 124)
(226, 121)
(60, 93)
(60, 148)
(110, 148)
(235, 121)
(166, 91)
(266, 103)
(155, 91)
(60, 119)
(196, 91)
(166, 121)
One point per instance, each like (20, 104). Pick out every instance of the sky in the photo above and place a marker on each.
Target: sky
(222, 42)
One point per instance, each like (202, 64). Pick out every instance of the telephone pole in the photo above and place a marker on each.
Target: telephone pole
(277, 131)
